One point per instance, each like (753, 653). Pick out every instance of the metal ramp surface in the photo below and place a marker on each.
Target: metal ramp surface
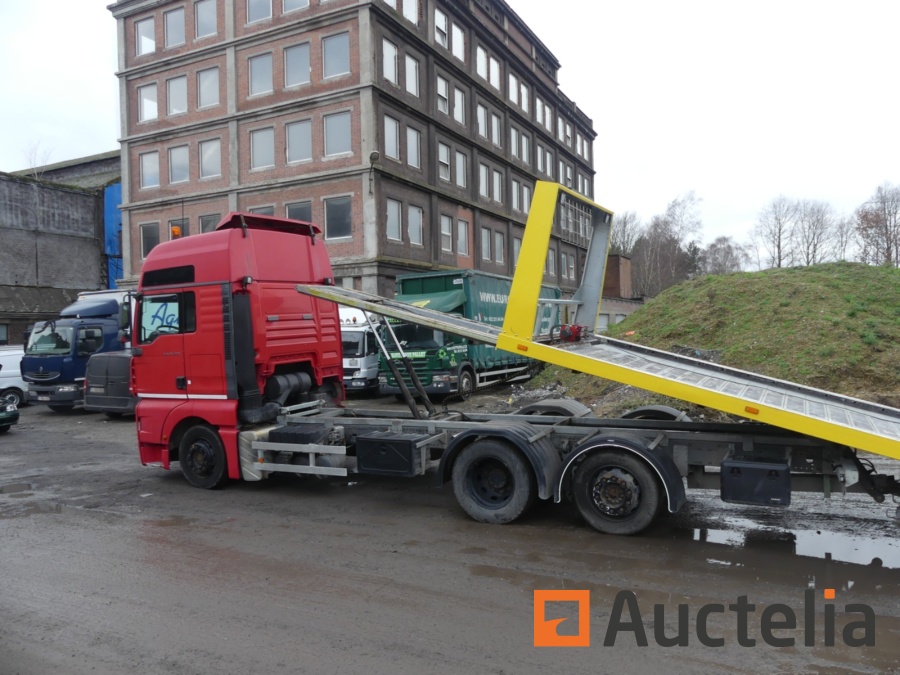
(822, 414)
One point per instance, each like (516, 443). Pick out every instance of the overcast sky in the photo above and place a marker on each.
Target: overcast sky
(738, 102)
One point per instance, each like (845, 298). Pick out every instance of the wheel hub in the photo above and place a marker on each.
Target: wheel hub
(492, 482)
(201, 457)
(615, 492)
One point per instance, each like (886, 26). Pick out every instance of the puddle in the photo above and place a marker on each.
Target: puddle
(14, 488)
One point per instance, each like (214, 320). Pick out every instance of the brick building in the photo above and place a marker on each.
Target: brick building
(411, 130)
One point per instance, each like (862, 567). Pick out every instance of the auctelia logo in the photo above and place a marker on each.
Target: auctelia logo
(775, 623)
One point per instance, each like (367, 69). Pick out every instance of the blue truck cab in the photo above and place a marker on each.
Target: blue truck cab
(58, 350)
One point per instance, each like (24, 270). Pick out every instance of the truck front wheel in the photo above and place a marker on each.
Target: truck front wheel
(492, 482)
(616, 493)
(466, 384)
(202, 457)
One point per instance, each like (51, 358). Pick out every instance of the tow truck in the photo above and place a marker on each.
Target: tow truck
(245, 382)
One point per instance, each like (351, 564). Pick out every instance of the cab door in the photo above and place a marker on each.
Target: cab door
(158, 363)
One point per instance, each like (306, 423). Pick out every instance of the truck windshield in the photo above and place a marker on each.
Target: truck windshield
(353, 344)
(418, 337)
(50, 339)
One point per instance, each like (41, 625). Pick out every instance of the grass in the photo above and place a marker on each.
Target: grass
(834, 326)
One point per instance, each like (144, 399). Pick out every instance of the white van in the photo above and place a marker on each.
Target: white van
(12, 387)
(360, 351)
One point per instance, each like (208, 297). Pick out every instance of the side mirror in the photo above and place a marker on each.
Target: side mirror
(124, 335)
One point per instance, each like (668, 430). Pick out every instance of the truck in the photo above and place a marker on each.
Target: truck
(359, 345)
(448, 364)
(213, 398)
(58, 350)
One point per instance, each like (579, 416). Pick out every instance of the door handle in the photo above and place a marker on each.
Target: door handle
(181, 383)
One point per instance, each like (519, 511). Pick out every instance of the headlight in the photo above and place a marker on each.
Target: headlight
(358, 373)
(10, 407)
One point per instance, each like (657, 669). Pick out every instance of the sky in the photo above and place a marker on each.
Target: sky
(737, 102)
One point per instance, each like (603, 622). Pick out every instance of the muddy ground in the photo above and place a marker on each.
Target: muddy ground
(110, 567)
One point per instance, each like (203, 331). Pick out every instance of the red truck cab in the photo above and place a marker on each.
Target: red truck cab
(222, 340)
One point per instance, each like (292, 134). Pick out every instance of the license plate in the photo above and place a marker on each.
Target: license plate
(43, 398)
(95, 390)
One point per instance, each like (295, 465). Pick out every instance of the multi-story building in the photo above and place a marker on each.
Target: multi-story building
(412, 131)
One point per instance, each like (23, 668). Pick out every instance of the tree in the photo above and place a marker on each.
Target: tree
(814, 232)
(878, 227)
(724, 256)
(36, 157)
(774, 231)
(626, 229)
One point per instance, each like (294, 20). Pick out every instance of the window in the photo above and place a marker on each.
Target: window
(484, 188)
(176, 95)
(461, 169)
(514, 141)
(499, 246)
(262, 148)
(389, 61)
(517, 249)
(513, 89)
(179, 167)
(174, 27)
(205, 22)
(443, 94)
(337, 217)
(149, 169)
(444, 161)
(300, 211)
(516, 188)
(394, 209)
(498, 186)
(496, 129)
(210, 158)
(564, 265)
(147, 103)
(414, 218)
(336, 55)
(208, 222)
(494, 78)
(526, 198)
(391, 137)
(549, 163)
(411, 11)
(543, 114)
(413, 153)
(257, 10)
(440, 28)
(149, 238)
(539, 158)
(4, 334)
(551, 262)
(207, 87)
(568, 176)
(459, 105)
(179, 310)
(526, 149)
(296, 65)
(299, 141)
(178, 228)
(292, 5)
(462, 237)
(485, 243)
(458, 48)
(572, 266)
(260, 74)
(481, 115)
(337, 134)
(446, 233)
(412, 75)
(481, 63)
(145, 36)
(524, 96)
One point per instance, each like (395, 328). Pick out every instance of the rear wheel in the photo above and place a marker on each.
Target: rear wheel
(61, 407)
(616, 493)
(492, 482)
(202, 457)
(4, 428)
(13, 396)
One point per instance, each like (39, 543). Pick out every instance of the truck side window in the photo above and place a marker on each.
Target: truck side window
(166, 315)
(90, 340)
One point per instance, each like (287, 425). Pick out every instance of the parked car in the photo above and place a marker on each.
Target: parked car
(13, 388)
(9, 415)
(107, 382)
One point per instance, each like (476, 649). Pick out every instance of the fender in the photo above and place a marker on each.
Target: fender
(541, 453)
(661, 463)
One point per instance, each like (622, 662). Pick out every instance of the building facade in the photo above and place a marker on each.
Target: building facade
(412, 131)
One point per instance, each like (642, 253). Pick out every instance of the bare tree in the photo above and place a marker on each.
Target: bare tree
(844, 234)
(774, 231)
(724, 256)
(878, 227)
(626, 229)
(814, 232)
(36, 157)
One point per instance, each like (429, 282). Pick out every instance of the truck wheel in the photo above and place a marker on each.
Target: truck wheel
(13, 396)
(202, 457)
(466, 384)
(616, 493)
(492, 482)
(61, 408)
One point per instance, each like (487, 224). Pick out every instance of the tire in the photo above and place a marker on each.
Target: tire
(202, 457)
(4, 428)
(616, 493)
(492, 482)
(465, 387)
(13, 396)
(662, 413)
(61, 407)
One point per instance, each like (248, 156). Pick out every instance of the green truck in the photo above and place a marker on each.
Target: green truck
(447, 364)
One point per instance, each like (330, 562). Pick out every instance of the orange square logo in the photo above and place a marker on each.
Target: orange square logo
(545, 634)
